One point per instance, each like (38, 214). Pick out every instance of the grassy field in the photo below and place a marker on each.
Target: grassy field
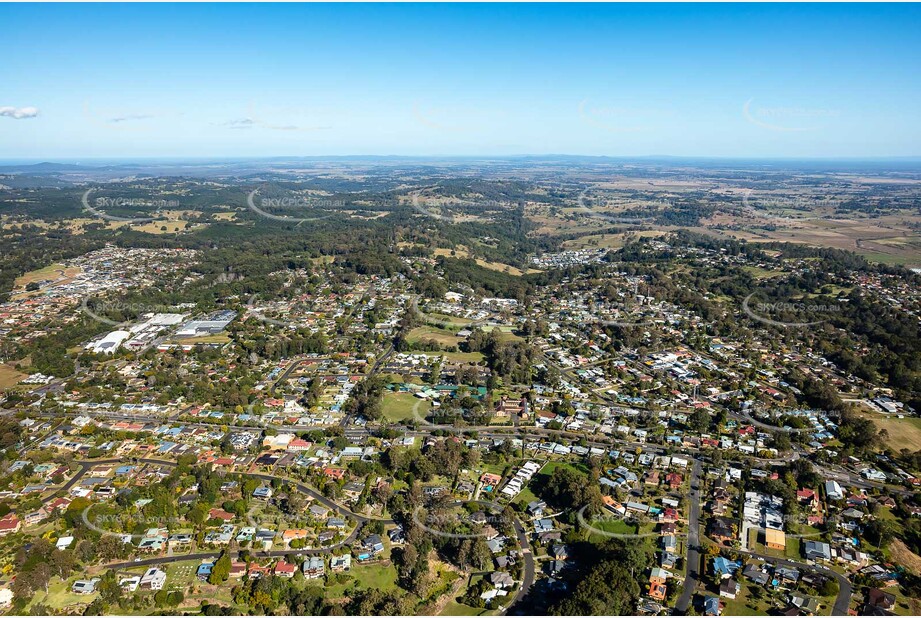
(614, 526)
(54, 272)
(458, 357)
(525, 496)
(399, 406)
(451, 320)
(179, 575)
(59, 596)
(596, 241)
(903, 432)
(9, 377)
(505, 333)
(381, 577)
(48, 272)
(756, 544)
(432, 333)
(171, 227)
(745, 605)
(462, 253)
(453, 608)
(459, 252)
(609, 241)
(553, 465)
(761, 273)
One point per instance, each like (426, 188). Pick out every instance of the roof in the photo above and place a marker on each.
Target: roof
(775, 537)
(723, 566)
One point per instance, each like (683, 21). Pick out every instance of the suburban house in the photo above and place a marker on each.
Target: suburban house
(153, 579)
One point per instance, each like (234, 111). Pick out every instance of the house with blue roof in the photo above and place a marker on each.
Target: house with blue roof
(262, 493)
(725, 568)
(204, 570)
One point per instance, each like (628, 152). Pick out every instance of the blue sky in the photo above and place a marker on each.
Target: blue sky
(721, 80)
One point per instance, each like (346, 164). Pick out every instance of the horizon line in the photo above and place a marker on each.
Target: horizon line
(76, 159)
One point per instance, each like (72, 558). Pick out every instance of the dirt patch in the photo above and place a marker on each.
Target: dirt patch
(904, 556)
(9, 377)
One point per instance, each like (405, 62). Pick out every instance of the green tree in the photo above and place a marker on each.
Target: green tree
(221, 570)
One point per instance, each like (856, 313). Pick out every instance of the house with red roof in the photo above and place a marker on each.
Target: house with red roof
(9, 524)
(488, 478)
(807, 498)
(668, 515)
(58, 504)
(299, 445)
(220, 514)
(237, 569)
(674, 480)
(283, 569)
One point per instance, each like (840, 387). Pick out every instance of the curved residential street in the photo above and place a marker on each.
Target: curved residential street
(692, 559)
(529, 571)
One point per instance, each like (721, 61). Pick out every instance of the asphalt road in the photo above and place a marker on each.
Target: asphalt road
(63, 489)
(692, 562)
(529, 573)
(521, 532)
(313, 493)
(360, 519)
(692, 559)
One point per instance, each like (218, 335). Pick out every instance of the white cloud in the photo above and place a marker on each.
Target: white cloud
(19, 112)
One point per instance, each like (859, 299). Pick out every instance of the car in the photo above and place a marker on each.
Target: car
(137, 559)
